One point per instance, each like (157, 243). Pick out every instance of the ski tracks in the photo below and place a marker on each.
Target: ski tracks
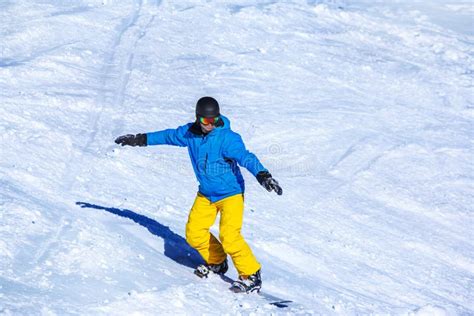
(115, 73)
(46, 246)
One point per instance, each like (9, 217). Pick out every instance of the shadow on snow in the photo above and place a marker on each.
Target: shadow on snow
(176, 247)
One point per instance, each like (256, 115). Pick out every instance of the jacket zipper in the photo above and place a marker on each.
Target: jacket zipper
(205, 164)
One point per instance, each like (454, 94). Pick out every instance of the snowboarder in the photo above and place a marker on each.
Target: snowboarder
(216, 151)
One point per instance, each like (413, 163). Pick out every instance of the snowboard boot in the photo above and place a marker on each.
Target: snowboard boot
(203, 270)
(251, 283)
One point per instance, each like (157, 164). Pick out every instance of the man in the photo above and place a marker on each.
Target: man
(216, 151)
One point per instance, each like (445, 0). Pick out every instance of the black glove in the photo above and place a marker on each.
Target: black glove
(266, 180)
(131, 140)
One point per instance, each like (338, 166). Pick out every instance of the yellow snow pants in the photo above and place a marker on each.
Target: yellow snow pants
(203, 215)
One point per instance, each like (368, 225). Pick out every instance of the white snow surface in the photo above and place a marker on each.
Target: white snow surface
(362, 110)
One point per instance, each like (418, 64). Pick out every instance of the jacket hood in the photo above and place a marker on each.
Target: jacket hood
(226, 122)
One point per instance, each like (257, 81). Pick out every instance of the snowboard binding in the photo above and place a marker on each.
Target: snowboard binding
(203, 270)
(252, 283)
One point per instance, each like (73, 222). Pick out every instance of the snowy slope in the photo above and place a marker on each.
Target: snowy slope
(363, 111)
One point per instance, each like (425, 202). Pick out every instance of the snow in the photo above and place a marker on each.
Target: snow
(363, 111)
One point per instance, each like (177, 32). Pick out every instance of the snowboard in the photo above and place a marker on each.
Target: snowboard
(270, 298)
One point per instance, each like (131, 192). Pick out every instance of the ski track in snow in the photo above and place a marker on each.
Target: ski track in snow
(363, 112)
(108, 94)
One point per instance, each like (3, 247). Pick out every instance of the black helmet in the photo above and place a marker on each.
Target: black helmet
(207, 107)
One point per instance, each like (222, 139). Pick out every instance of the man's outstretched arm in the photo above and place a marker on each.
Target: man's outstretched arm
(173, 137)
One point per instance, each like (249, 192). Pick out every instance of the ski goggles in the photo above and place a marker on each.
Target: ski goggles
(209, 120)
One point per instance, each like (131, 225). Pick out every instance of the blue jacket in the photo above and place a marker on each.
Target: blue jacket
(215, 157)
